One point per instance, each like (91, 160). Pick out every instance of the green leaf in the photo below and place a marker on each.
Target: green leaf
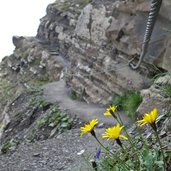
(64, 125)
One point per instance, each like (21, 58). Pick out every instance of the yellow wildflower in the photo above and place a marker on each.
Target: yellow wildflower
(89, 127)
(114, 133)
(149, 118)
(110, 110)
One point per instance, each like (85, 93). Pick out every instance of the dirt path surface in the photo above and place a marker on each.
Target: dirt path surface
(57, 92)
(61, 151)
(58, 153)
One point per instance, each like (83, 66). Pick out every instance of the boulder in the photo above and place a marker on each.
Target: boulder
(157, 96)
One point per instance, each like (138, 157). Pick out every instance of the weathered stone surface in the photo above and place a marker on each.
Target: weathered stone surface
(4, 120)
(155, 96)
(99, 43)
(165, 61)
(31, 54)
(32, 64)
(96, 40)
(90, 26)
(128, 27)
(88, 44)
(165, 9)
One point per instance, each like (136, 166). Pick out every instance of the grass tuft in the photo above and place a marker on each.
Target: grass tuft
(128, 102)
(166, 89)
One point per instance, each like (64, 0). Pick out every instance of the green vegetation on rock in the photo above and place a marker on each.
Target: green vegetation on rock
(56, 119)
(5, 89)
(74, 95)
(6, 147)
(166, 89)
(38, 101)
(135, 149)
(128, 102)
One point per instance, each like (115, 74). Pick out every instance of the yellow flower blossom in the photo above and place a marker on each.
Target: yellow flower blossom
(89, 127)
(110, 110)
(114, 133)
(149, 118)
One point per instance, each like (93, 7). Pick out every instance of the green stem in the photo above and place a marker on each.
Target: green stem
(158, 139)
(141, 137)
(88, 163)
(102, 145)
(129, 139)
(123, 150)
(120, 122)
(111, 153)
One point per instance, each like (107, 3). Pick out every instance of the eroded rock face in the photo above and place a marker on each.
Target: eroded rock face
(157, 96)
(165, 9)
(128, 27)
(122, 23)
(31, 65)
(96, 40)
(99, 40)
(31, 55)
(89, 44)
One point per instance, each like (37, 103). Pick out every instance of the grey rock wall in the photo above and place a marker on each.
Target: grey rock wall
(90, 43)
(99, 38)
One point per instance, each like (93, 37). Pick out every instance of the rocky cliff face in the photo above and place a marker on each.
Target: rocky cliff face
(21, 74)
(98, 38)
(88, 44)
(27, 67)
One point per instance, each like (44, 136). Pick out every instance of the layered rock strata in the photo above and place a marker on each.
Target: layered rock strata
(99, 38)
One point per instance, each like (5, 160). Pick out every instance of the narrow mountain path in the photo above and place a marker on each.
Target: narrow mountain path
(62, 151)
(57, 92)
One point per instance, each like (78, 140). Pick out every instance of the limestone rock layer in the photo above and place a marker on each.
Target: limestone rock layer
(89, 44)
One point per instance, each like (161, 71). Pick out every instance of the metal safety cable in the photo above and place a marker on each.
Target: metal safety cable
(154, 10)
